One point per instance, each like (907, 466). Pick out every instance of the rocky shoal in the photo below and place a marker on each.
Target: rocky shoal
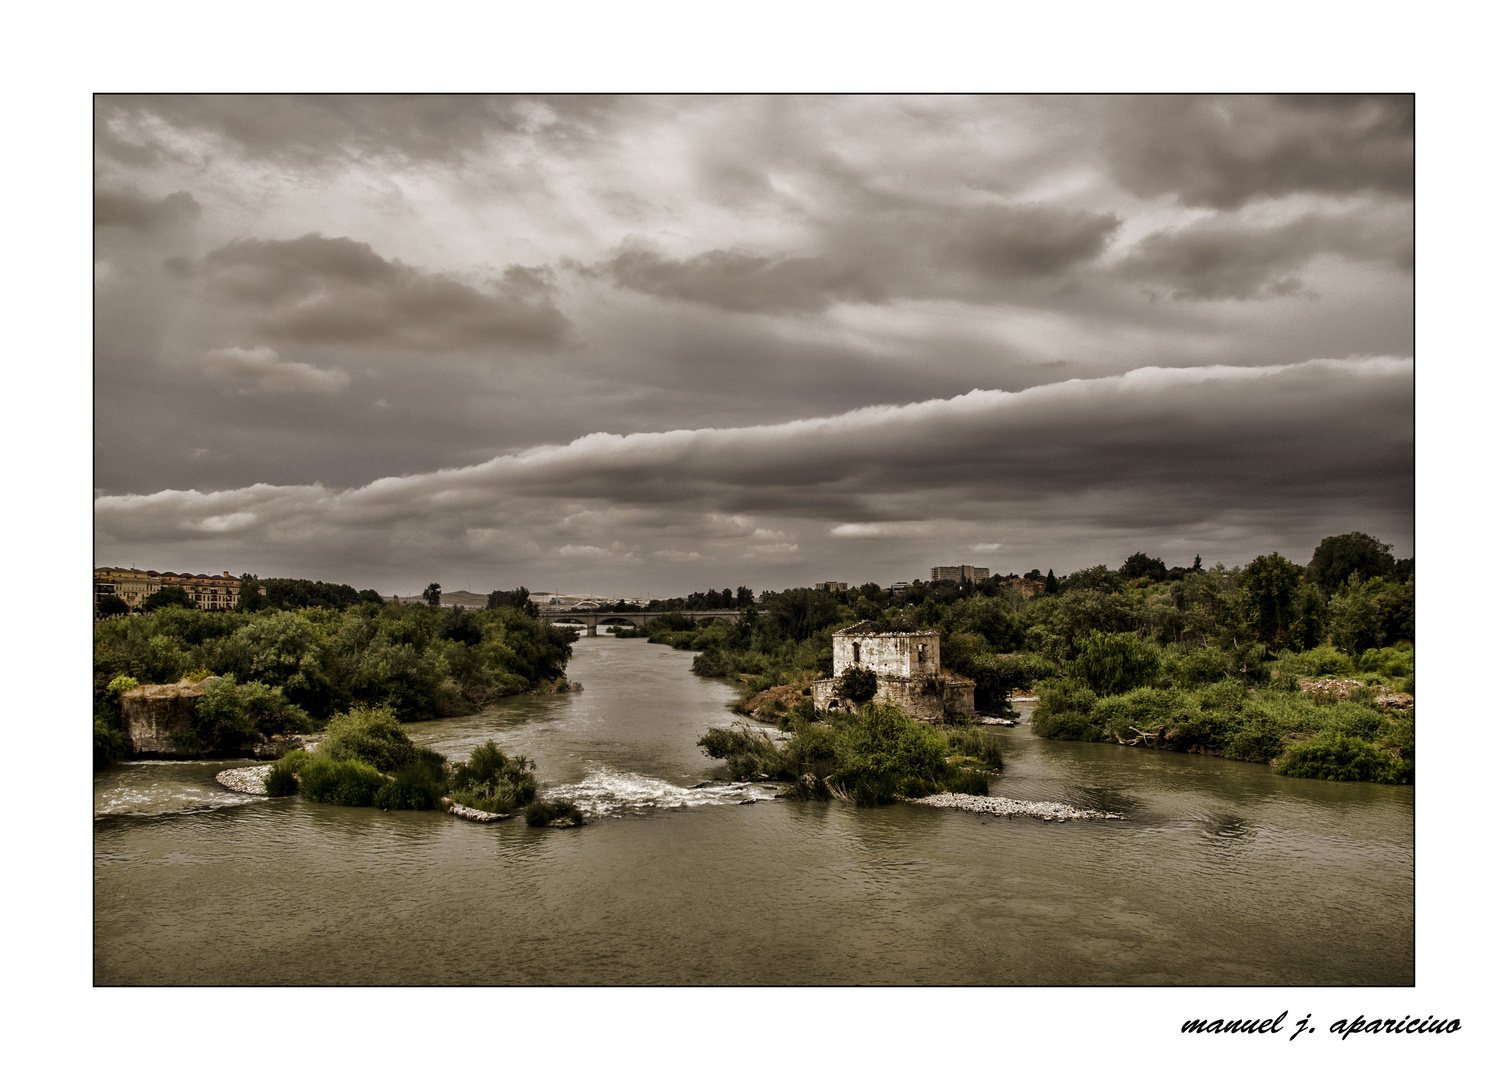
(1047, 811)
(249, 781)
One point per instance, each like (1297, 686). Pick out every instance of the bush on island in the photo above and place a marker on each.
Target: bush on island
(415, 787)
(542, 813)
(370, 734)
(283, 777)
(873, 755)
(344, 783)
(490, 780)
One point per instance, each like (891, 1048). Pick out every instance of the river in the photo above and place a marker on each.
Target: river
(1222, 872)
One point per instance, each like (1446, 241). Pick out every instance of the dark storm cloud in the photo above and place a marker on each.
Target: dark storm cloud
(1159, 450)
(305, 127)
(1009, 242)
(736, 281)
(354, 301)
(924, 252)
(337, 290)
(129, 209)
(1223, 152)
(1218, 259)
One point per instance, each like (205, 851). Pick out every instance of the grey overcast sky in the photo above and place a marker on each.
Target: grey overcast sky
(644, 345)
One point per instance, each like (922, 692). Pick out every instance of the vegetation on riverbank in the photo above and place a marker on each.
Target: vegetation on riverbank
(288, 671)
(1206, 660)
(367, 759)
(874, 755)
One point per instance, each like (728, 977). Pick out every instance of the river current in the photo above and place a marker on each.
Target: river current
(1221, 873)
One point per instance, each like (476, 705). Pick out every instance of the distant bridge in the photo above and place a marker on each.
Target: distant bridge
(590, 620)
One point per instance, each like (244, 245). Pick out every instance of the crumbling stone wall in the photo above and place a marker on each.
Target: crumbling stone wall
(924, 697)
(152, 714)
(902, 655)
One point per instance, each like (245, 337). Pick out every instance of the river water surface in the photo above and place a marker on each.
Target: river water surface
(1222, 873)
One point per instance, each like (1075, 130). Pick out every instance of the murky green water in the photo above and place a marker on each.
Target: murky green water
(1223, 873)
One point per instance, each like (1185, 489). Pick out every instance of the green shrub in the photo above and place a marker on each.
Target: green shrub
(491, 781)
(414, 787)
(1115, 663)
(1140, 710)
(1321, 660)
(542, 813)
(120, 684)
(857, 685)
(882, 753)
(1063, 711)
(1069, 724)
(372, 735)
(283, 779)
(1189, 668)
(1333, 756)
(975, 744)
(966, 782)
(1394, 662)
(748, 753)
(347, 782)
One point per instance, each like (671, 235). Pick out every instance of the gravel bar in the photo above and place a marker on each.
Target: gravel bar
(1047, 811)
(249, 781)
(470, 814)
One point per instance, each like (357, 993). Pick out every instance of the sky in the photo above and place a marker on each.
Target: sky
(648, 345)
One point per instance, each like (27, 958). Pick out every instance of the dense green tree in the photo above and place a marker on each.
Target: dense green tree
(1270, 593)
(1141, 565)
(1100, 578)
(109, 605)
(432, 594)
(168, 596)
(1395, 613)
(1116, 663)
(1355, 623)
(514, 598)
(250, 597)
(1338, 557)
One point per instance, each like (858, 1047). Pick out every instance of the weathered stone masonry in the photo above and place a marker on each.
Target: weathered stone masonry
(908, 667)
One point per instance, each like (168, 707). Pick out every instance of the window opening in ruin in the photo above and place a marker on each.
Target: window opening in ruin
(921, 653)
(855, 652)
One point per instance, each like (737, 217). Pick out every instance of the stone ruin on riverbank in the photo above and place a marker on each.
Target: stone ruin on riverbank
(908, 669)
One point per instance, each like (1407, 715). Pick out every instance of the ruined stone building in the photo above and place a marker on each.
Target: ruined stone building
(908, 667)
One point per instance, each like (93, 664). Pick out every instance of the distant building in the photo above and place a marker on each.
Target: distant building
(831, 586)
(900, 586)
(1029, 588)
(208, 592)
(907, 666)
(973, 574)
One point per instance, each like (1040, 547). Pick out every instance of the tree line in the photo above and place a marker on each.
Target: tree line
(1195, 658)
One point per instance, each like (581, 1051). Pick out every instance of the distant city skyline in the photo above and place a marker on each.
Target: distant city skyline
(648, 345)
